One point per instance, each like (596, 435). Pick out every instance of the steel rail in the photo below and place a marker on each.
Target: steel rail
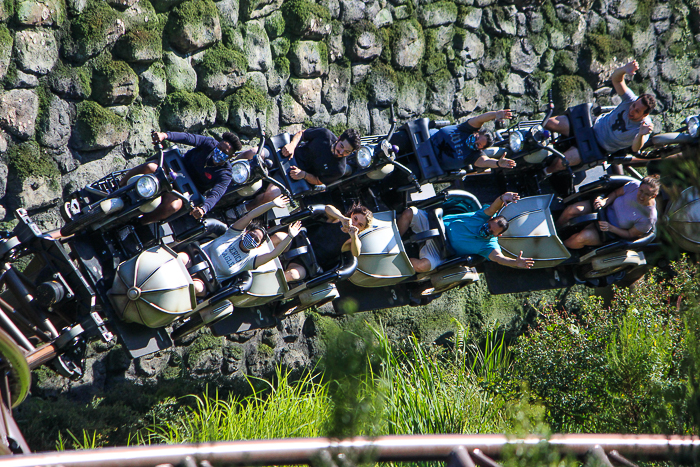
(381, 449)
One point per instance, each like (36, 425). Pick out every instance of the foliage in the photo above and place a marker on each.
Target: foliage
(26, 160)
(92, 119)
(605, 47)
(191, 12)
(248, 96)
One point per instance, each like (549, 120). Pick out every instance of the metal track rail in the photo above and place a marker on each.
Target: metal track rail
(454, 450)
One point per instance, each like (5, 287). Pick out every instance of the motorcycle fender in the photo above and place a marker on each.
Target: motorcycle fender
(630, 257)
(381, 172)
(150, 206)
(450, 276)
(315, 295)
(536, 157)
(216, 312)
(250, 190)
(111, 205)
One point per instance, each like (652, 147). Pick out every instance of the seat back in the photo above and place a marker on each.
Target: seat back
(268, 282)
(581, 126)
(277, 142)
(423, 148)
(172, 158)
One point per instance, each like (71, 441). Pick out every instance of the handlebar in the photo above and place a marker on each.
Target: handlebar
(551, 108)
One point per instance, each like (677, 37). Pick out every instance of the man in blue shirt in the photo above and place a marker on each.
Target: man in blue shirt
(206, 163)
(471, 233)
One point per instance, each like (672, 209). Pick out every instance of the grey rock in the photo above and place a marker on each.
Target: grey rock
(579, 34)
(351, 11)
(196, 36)
(615, 26)
(217, 84)
(307, 92)
(643, 40)
(411, 99)
(93, 170)
(515, 84)
(228, 12)
(471, 71)
(257, 46)
(33, 192)
(367, 46)
(180, 74)
(359, 117)
(122, 4)
(557, 39)
(661, 27)
(521, 20)
(336, 45)
(36, 50)
(483, 3)
(153, 83)
(625, 8)
(602, 71)
(381, 120)
(338, 120)
(382, 89)
(81, 51)
(275, 80)
(3, 180)
(333, 6)
(55, 127)
(308, 59)
(75, 7)
(190, 118)
(291, 111)
(661, 12)
(151, 365)
(119, 90)
(275, 25)
(335, 88)
(443, 36)
(523, 57)
(501, 20)
(321, 118)
(5, 56)
(440, 96)
(138, 14)
(257, 80)
(22, 80)
(567, 14)
(472, 20)
(402, 12)
(360, 72)
(19, 109)
(142, 119)
(675, 70)
(536, 21)
(64, 159)
(252, 9)
(244, 118)
(40, 12)
(594, 20)
(279, 47)
(408, 46)
(521, 105)
(471, 44)
(383, 18)
(437, 14)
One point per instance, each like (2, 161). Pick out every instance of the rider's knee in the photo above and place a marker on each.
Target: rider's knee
(185, 258)
(295, 272)
(277, 237)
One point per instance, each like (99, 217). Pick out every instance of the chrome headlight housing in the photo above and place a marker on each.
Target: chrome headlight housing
(364, 157)
(147, 186)
(240, 172)
(693, 124)
(515, 141)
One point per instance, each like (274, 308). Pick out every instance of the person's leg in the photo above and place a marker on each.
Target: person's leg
(421, 265)
(199, 289)
(294, 272)
(587, 237)
(572, 155)
(574, 210)
(404, 220)
(559, 124)
(147, 168)
(169, 205)
(268, 195)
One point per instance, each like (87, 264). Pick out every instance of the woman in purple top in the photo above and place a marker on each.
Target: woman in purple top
(631, 212)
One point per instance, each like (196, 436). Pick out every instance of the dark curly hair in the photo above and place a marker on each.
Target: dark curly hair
(352, 136)
(233, 140)
(502, 222)
(357, 208)
(256, 226)
(649, 101)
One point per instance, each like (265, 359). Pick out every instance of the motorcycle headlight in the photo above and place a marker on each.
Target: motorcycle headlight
(515, 141)
(240, 172)
(147, 186)
(364, 157)
(693, 123)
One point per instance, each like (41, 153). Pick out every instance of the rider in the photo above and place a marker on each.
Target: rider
(628, 125)
(232, 253)
(206, 163)
(631, 213)
(339, 233)
(460, 145)
(467, 233)
(320, 161)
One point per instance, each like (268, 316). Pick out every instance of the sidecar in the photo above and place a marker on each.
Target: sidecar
(385, 277)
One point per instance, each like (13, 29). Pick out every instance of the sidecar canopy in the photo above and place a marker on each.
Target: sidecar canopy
(683, 220)
(532, 231)
(153, 288)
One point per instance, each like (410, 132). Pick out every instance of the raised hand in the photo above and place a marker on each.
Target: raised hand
(296, 173)
(505, 113)
(353, 230)
(158, 137)
(505, 163)
(646, 129)
(197, 213)
(294, 229)
(281, 201)
(510, 197)
(632, 67)
(599, 203)
(524, 263)
(288, 150)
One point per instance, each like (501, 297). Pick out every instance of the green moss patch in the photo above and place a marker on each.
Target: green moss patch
(249, 96)
(192, 12)
(182, 101)
(434, 63)
(26, 160)
(143, 42)
(275, 25)
(89, 29)
(282, 66)
(570, 89)
(220, 59)
(93, 121)
(604, 47)
(75, 82)
(299, 15)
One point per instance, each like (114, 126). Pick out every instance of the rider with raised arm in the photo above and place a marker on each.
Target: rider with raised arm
(628, 125)
(231, 253)
(472, 233)
(206, 163)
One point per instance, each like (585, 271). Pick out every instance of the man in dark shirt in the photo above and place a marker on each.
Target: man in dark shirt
(321, 160)
(206, 163)
(460, 145)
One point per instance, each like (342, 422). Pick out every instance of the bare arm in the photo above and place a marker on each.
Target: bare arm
(604, 202)
(478, 121)
(281, 246)
(519, 262)
(297, 174)
(641, 138)
(499, 202)
(618, 76)
(243, 222)
(354, 244)
(627, 234)
(288, 149)
(488, 162)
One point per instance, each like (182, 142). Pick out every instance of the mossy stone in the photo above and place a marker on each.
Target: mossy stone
(40, 12)
(153, 83)
(141, 44)
(252, 9)
(438, 13)
(71, 82)
(256, 46)
(280, 47)
(306, 19)
(365, 42)
(222, 111)
(194, 25)
(275, 25)
(26, 160)
(436, 62)
(98, 128)
(383, 85)
(142, 119)
(6, 44)
(245, 106)
(181, 76)
(114, 83)
(308, 59)
(221, 71)
(186, 111)
(605, 47)
(571, 90)
(408, 43)
(565, 62)
(93, 30)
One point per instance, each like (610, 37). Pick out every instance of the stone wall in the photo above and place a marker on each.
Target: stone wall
(84, 81)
